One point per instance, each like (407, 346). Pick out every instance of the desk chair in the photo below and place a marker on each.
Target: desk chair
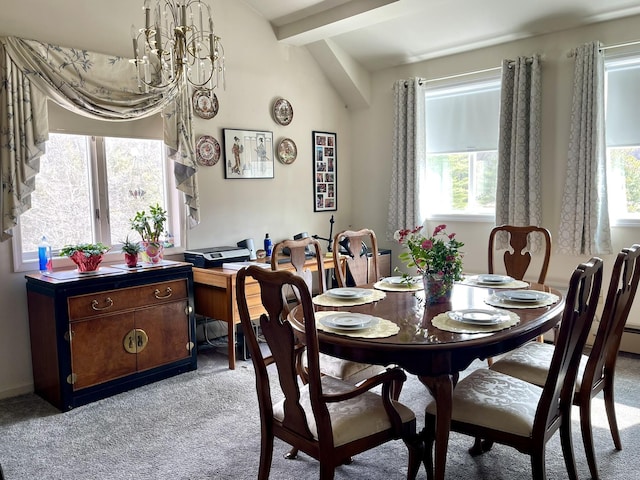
(326, 418)
(597, 369)
(353, 372)
(355, 246)
(500, 408)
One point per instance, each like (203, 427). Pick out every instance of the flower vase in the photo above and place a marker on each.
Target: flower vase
(152, 252)
(437, 288)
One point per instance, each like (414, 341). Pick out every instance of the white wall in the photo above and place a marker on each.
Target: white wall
(372, 137)
(258, 71)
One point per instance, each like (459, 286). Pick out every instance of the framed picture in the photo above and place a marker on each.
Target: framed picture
(325, 171)
(248, 153)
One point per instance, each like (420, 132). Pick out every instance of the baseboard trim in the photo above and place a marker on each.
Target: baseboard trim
(630, 340)
(15, 391)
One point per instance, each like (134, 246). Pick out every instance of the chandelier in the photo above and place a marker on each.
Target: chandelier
(177, 45)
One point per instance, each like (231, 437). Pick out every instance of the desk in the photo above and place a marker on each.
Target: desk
(437, 357)
(214, 291)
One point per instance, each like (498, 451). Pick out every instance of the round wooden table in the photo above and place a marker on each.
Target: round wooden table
(436, 356)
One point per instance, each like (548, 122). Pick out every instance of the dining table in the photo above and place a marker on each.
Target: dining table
(437, 341)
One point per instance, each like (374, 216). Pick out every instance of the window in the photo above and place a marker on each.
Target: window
(461, 143)
(87, 190)
(623, 138)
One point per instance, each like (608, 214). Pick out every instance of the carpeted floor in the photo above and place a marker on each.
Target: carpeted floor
(204, 425)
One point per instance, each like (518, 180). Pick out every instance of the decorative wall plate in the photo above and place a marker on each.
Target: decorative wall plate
(282, 111)
(287, 151)
(207, 151)
(205, 104)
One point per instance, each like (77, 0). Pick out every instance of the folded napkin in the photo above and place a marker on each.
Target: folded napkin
(444, 322)
(325, 300)
(383, 328)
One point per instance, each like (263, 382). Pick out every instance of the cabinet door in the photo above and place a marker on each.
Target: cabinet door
(166, 328)
(97, 349)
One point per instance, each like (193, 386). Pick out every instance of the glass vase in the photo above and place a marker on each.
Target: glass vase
(152, 252)
(437, 288)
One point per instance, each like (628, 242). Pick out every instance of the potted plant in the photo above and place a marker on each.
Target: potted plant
(87, 256)
(150, 227)
(131, 249)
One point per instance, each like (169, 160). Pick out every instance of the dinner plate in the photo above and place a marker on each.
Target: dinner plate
(347, 293)
(205, 104)
(283, 111)
(490, 279)
(348, 321)
(479, 316)
(207, 151)
(399, 280)
(525, 296)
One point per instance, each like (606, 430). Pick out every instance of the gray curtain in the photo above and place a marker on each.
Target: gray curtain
(584, 219)
(91, 84)
(518, 191)
(408, 154)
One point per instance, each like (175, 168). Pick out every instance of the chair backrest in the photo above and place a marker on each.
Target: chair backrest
(517, 262)
(361, 263)
(622, 291)
(297, 256)
(581, 302)
(280, 336)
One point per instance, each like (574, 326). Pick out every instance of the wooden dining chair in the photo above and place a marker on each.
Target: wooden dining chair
(326, 418)
(517, 261)
(360, 249)
(353, 372)
(597, 368)
(495, 407)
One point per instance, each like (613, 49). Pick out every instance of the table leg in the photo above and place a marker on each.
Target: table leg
(231, 345)
(441, 387)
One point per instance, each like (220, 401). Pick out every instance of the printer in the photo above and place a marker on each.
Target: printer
(216, 256)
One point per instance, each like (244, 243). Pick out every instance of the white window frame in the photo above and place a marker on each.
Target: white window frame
(616, 62)
(28, 261)
(478, 83)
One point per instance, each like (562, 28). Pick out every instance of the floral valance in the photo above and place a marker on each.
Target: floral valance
(99, 86)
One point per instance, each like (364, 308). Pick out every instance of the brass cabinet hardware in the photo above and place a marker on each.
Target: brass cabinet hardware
(190, 346)
(71, 379)
(135, 341)
(108, 304)
(68, 335)
(188, 309)
(168, 291)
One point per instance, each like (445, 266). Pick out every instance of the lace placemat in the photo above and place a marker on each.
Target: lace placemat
(474, 281)
(398, 287)
(495, 301)
(325, 300)
(444, 322)
(384, 328)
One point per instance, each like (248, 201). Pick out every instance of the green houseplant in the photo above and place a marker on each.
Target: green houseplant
(131, 249)
(150, 226)
(87, 256)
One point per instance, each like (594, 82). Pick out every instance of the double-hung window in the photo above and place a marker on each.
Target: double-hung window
(88, 189)
(623, 138)
(461, 128)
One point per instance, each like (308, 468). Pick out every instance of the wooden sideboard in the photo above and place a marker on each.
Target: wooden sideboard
(215, 295)
(93, 336)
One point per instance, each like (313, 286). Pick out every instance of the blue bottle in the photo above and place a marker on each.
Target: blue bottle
(268, 245)
(44, 256)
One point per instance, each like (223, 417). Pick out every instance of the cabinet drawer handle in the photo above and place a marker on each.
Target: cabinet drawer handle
(108, 304)
(160, 297)
(135, 341)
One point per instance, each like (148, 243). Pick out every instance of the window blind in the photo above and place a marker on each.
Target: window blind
(622, 103)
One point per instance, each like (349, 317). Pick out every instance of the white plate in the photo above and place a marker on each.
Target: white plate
(348, 321)
(490, 279)
(479, 316)
(525, 296)
(398, 280)
(347, 293)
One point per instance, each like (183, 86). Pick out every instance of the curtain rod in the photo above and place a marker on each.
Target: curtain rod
(571, 53)
(424, 80)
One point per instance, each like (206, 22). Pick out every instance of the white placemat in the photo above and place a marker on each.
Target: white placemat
(473, 280)
(444, 322)
(495, 301)
(384, 328)
(398, 287)
(325, 300)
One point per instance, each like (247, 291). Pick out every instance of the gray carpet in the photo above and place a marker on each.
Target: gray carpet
(204, 425)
